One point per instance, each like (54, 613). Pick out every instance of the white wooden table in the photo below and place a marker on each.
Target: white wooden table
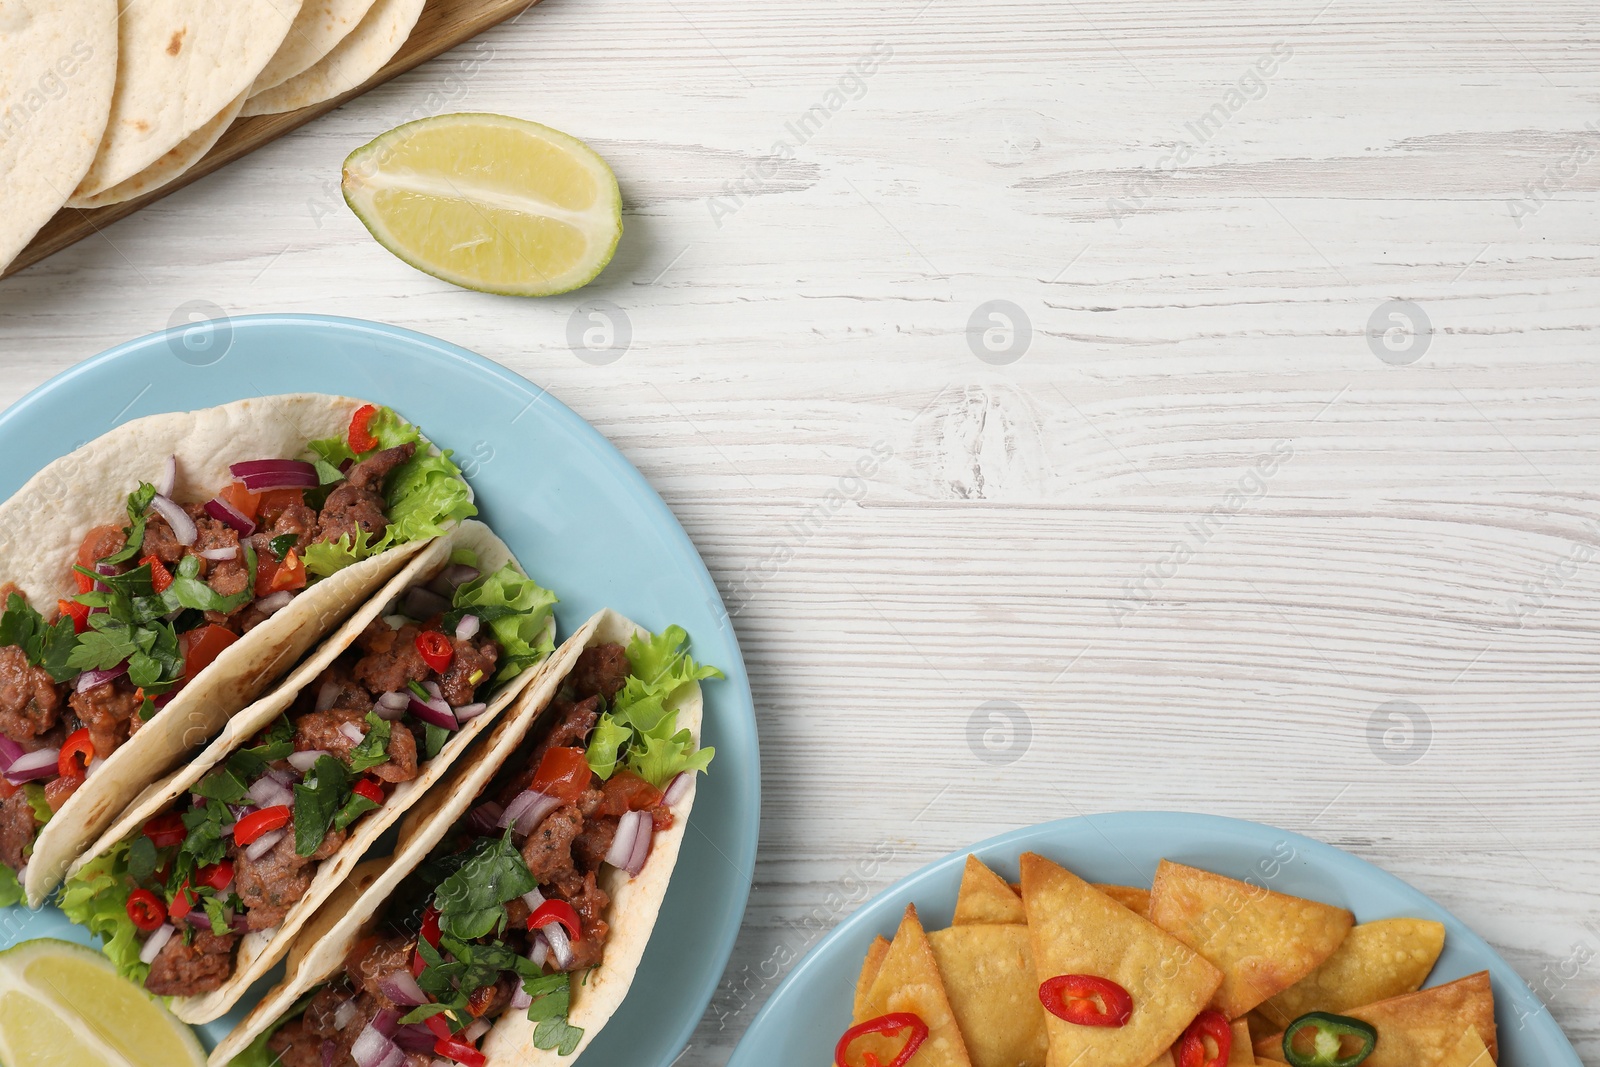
(1219, 525)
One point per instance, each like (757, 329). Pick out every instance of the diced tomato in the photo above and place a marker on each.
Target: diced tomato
(99, 543)
(436, 650)
(241, 499)
(418, 964)
(661, 818)
(165, 830)
(290, 574)
(160, 577)
(78, 744)
(7, 790)
(182, 903)
(202, 646)
(556, 911)
(456, 1049)
(146, 909)
(275, 501)
(440, 1028)
(369, 788)
(217, 876)
(265, 821)
(430, 926)
(564, 773)
(57, 790)
(625, 792)
(78, 613)
(361, 439)
(266, 571)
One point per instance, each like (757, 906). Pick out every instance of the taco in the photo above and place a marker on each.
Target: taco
(159, 578)
(511, 918)
(202, 884)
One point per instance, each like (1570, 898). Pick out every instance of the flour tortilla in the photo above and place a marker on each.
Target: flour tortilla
(320, 951)
(320, 26)
(58, 65)
(360, 55)
(179, 64)
(178, 159)
(42, 526)
(260, 950)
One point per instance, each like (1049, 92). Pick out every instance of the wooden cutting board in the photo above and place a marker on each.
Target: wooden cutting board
(442, 25)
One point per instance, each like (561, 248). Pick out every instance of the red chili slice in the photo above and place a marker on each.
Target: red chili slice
(146, 910)
(892, 1023)
(436, 650)
(165, 830)
(369, 788)
(265, 821)
(78, 613)
(78, 744)
(361, 439)
(1086, 1000)
(1192, 1047)
(217, 876)
(456, 1049)
(182, 903)
(160, 577)
(556, 911)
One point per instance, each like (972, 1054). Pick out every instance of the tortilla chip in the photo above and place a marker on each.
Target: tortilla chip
(869, 973)
(1241, 1053)
(988, 974)
(1131, 897)
(1166, 1059)
(1263, 942)
(1377, 961)
(1420, 1029)
(1076, 929)
(1470, 1051)
(909, 980)
(985, 897)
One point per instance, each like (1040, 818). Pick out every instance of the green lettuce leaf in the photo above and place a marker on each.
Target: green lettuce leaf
(97, 898)
(256, 1054)
(330, 557)
(640, 721)
(10, 889)
(516, 609)
(423, 495)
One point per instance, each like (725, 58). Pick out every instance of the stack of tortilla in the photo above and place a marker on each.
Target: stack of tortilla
(102, 105)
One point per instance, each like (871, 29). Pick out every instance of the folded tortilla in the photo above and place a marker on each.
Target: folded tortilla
(178, 159)
(635, 903)
(358, 56)
(42, 526)
(260, 950)
(320, 26)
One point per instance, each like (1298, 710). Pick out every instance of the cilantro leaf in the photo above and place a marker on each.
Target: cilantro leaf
(188, 590)
(222, 785)
(44, 644)
(353, 809)
(216, 911)
(471, 901)
(434, 738)
(373, 749)
(552, 1002)
(281, 544)
(107, 643)
(206, 843)
(138, 514)
(249, 763)
(317, 801)
(142, 858)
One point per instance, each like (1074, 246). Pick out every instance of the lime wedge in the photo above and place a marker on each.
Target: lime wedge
(487, 202)
(63, 1005)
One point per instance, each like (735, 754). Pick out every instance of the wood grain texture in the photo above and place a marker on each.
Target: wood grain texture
(442, 25)
(904, 532)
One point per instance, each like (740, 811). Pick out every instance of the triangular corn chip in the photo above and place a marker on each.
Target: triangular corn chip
(1076, 929)
(1377, 961)
(909, 981)
(1263, 942)
(1131, 897)
(1470, 1051)
(1420, 1029)
(869, 973)
(985, 897)
(988, 974)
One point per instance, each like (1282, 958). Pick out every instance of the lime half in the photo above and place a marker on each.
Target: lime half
(487, 202)
(64, 1005)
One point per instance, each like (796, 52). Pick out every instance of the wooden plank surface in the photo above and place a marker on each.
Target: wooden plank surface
(906, 532)
(442, 25)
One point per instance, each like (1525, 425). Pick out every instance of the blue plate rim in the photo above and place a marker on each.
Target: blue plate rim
(737, 697)
(880, 912)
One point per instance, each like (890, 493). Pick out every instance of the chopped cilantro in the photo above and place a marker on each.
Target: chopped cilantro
(281, 544)
(138, 514)
(373, 748)
(471, 901)
(317, 801)
(433, 739)
(45, 644)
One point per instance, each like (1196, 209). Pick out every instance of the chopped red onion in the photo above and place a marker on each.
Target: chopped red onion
(169, 476)
(415, 1037)
(431, 687)
(303, 761)
(275, 602)
(485, 817)
(92, 766)
(560, 945)
(352, 731)
(372, 1049)
(395, 701)
(184, 530)
(156, 942)
(622, 841)
(471, 1034)
(344, 1013)
(540, 952)
(394, 622)
(434, 712)
(327, 694)
(533, 898)
(218, 555)
(527, 810)
(281, 776)
(198, 919)
(423, 604)
(677, 788)
(401, 988)
(31, 766)
(259, 475)
(329, 1051)
(264, 844)
(467, 628)
(95, 679)
(226, 513)
(268, 792)
(520, 1001)
(468, 712)
(9, 751)
(459, 574)
(641, 844)
(386, 1020)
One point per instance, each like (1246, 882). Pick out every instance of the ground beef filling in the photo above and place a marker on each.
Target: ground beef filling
(186, 969)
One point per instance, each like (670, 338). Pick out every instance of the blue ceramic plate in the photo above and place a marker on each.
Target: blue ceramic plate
(808, 1012)
(576, 513)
